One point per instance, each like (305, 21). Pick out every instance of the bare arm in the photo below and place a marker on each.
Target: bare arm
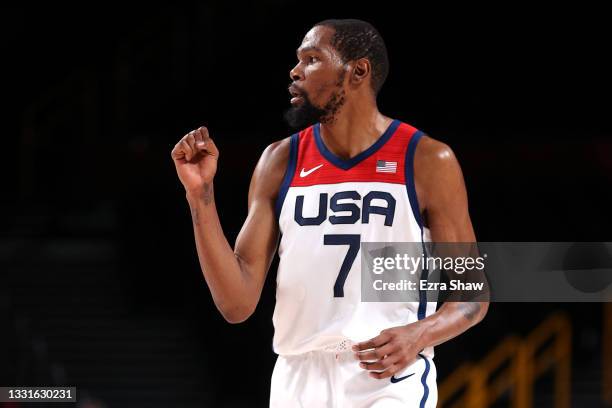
(445, 205)
(235, 277)
(443, 200)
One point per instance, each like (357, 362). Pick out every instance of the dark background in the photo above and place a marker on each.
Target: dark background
(100, 285)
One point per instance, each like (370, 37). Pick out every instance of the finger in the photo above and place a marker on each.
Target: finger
(187, 149)
(390, 371)
(381, 365)
(191, 141)
(201, 134)
(204, 143)
(200, 140)
(201, 137)
(210, 147)
(375, 354)
(177, 153)
(375, 342)
(200, 145)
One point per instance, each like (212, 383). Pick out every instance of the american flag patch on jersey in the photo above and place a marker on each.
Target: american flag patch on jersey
(383, 166)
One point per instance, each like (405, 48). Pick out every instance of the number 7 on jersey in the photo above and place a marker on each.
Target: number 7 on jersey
(353, 241)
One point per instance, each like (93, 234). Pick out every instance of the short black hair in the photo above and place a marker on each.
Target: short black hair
(354, 39)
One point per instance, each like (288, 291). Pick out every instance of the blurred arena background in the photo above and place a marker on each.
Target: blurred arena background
(99, 282)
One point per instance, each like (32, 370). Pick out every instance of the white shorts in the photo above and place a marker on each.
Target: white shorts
(326, 379)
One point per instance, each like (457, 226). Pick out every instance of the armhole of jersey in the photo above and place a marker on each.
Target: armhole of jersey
(293, 150)
(416, 211)
(409, 175)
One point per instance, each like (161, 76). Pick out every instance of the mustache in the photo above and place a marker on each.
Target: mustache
(295, 89)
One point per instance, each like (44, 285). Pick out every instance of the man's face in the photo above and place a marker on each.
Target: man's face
(317, 89)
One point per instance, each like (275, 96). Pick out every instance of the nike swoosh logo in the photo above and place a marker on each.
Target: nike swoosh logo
(396, 380)
(304, 173)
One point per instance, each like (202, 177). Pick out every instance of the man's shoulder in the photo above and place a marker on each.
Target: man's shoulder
(271, 168)
(276, 154)
(435, 168)
(433, 152)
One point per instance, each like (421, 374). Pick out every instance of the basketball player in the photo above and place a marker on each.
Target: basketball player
(350, 175)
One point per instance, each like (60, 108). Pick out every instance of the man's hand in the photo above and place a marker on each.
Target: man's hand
(195, 157)
(392, 350)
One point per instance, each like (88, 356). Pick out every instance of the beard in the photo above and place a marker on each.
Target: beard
(306, 114)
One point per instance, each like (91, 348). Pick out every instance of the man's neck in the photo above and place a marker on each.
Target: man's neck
(354, 130)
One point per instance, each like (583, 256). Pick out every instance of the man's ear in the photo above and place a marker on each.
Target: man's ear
(361, 70)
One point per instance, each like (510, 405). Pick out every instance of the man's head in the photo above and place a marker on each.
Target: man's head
(338, 60)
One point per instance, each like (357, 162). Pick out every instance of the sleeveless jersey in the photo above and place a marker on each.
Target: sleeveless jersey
(326, 207)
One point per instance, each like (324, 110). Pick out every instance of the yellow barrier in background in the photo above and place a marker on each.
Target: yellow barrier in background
(514, 365)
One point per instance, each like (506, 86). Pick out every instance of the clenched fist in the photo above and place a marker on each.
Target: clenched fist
(195, 157)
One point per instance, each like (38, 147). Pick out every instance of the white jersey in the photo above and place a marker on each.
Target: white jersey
(325, 208)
